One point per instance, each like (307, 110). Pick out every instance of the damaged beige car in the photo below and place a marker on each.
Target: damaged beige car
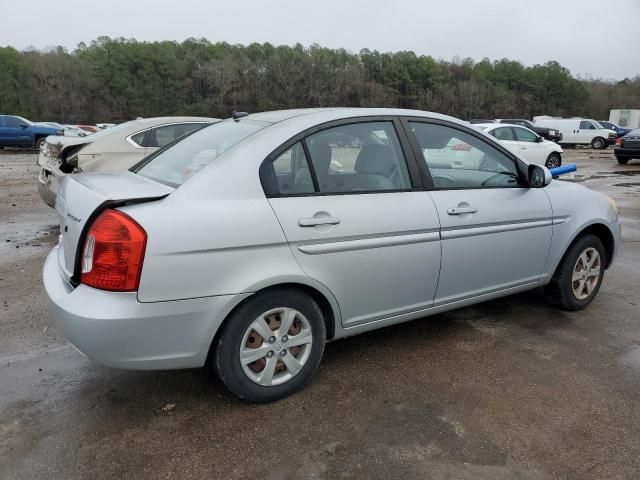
(114, 149)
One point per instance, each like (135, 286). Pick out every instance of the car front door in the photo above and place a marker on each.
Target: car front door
(13, 133)
(531, 149)
(495, 233)
(585, 132)
(356, 219)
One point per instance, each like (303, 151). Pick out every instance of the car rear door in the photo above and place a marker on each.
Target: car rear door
(495, 233)
(507, 138)
(358, 220)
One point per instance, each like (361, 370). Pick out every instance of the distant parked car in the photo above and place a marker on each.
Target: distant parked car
(628, 147)
(525, 143)
(88, 128)
(551, 134)
(579, 131)
(22, 133)
(113, 149)
(620, 131)
(76, 131)
(481, 120)
(69, 130)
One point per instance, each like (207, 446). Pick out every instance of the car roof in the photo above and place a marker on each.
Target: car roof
(320, 115)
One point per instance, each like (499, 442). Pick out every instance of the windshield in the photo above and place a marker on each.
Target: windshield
(598, 125)
(180, 161)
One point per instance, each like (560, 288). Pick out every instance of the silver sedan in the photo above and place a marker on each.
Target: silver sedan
(249, 244)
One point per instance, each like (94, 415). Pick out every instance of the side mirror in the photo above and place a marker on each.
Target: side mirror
(538, 176)
(539, 139)
(23, 125)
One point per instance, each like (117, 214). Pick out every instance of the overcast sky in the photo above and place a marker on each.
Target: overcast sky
(590, 37)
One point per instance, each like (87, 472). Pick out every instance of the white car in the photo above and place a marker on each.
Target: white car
(113, 149)
(525, 143)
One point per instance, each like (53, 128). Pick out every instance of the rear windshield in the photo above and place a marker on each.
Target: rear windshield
(180, 161)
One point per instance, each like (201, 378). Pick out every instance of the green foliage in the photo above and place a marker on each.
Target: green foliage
(118, 79)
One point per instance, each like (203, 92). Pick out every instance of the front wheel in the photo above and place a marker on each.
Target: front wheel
(622, 160)
(38, 144)
(579, 275)
(598, 143)
(554, 160)
(270, 346)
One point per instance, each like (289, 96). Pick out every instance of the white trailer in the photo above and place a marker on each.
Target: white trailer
(625, 118)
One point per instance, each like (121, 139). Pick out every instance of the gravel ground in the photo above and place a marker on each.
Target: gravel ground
(507, 389)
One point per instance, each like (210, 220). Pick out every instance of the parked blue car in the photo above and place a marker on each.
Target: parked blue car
(620, 131)
(19, 132)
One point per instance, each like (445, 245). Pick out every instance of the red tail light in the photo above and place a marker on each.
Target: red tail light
(113, 253)
(619, 141)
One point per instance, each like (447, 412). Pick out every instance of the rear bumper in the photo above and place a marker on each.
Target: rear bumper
(116, 330)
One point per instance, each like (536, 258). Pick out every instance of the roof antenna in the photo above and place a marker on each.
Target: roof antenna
(238, 115)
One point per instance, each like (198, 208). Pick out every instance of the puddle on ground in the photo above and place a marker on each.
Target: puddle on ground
(632, 357)
(626, 173)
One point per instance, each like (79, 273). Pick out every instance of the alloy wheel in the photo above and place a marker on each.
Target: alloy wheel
(276, 346)
(586, 273)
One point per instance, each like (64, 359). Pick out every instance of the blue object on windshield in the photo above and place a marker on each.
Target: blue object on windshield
(568, 168)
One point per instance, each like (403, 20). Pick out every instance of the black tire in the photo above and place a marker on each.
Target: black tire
(622, 160)
(226, 354)
(598, 143)
(554, 160)
(39, 143)
(560, 290)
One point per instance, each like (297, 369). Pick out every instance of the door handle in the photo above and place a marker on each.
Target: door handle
(461, 210)
(315, 221)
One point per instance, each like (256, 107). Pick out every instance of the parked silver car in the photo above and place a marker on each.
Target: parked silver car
(242, 247)
(113, 149)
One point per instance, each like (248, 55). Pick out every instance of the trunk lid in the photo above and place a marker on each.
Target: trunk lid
(82, 197)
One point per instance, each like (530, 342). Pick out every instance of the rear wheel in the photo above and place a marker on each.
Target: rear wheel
(270, 346)
(622, 160)
(598, 143)
(554, 160)
(579, 275)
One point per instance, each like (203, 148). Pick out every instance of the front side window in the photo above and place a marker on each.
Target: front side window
(360, 157)
(523, 135)
(178, 163)
(586, 125)
(12, 122)
(457, 159)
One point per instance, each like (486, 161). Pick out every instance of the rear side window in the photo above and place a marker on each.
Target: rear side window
(138, 138)
(164, 135)
(176, 164)
(353, 158)
(503, 133)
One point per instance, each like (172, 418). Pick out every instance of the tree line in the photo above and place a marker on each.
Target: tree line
(113, 80)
